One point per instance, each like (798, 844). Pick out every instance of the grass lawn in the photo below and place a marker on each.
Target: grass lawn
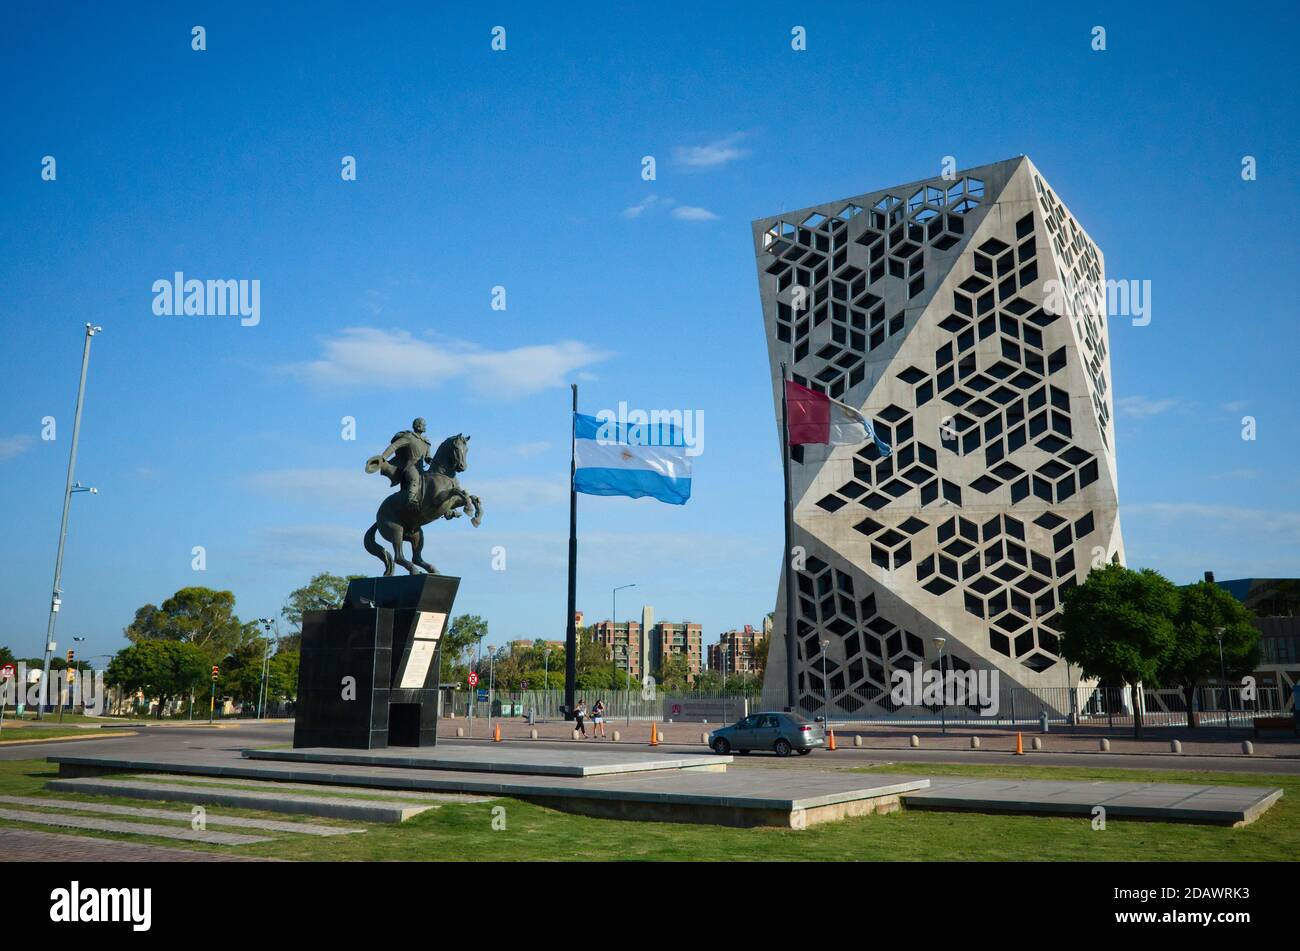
(9, 733)
(464, 832)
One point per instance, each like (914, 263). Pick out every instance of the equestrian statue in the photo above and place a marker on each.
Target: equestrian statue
(429, 491)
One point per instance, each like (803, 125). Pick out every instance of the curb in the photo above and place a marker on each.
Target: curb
(60, 739)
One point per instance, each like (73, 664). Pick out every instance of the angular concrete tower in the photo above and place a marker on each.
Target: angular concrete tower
(965, 317)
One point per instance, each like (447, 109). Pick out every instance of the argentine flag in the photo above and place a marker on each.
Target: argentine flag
(632, 460)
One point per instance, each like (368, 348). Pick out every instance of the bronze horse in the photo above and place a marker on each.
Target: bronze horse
(441, 496)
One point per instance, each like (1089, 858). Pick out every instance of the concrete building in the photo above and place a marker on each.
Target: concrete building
(686, 638)
(622, 642)
(965, 316)
(1276, 603)
(734, 652)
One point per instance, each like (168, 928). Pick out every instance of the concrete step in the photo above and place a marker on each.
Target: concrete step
(132, 828)
(371, 791)
(327, 807)
(265, 825)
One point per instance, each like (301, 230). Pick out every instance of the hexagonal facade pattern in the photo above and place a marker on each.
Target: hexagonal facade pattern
(965, 317)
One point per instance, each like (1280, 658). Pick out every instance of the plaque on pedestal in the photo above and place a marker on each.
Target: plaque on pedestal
(368, 674)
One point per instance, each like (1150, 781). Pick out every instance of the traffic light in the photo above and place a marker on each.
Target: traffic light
(71, 654)
(215, 670)
(71, 674)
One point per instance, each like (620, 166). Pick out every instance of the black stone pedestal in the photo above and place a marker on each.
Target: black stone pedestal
(368, 674)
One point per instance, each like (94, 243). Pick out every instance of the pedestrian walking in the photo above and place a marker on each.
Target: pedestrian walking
(579, 718)
(598, 718)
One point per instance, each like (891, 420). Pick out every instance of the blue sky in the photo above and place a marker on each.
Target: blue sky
(522, 169)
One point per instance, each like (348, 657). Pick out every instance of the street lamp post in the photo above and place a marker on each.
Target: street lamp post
(943, 719)
(627, 653)
(826, 687)
(266, 623)
(1223, 677)
(546, 675)
(56, 599)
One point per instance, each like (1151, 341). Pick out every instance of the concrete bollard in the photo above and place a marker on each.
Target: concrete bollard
(1038, 742)
(532, 734)
(857, 740)
(704, 738)
(617, 736)
(460, 731)
(1248, 747)
(916, 741)
(1175, 746)
(974, 742)
(1105, 745)
(577, 734)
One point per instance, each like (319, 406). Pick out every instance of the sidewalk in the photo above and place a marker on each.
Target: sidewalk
(1202, 741)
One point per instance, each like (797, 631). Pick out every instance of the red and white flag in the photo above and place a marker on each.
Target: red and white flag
(813, 417)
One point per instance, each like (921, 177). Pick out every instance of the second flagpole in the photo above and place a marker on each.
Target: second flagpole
(571, 630)
(791, 639)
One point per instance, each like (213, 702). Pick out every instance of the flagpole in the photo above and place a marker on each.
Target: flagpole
(571, 630)
(791, 641)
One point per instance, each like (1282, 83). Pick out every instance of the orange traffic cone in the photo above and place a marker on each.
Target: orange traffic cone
(830, 744)
(654, 734)
(1020, 744)
(496, 734)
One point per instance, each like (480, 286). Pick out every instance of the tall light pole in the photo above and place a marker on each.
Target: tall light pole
(546, 672)
(943, 719)
(56, 599)
(627, 653)
(826, 687)
(1223, 676)
(266, 623)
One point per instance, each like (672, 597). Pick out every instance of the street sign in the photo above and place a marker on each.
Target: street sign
(473, 679)
(482, 695)
(7, 672)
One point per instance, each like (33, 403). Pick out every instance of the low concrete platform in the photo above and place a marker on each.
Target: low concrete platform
(1165, 802)
(760, 796)
(270, 800)
(516, 760)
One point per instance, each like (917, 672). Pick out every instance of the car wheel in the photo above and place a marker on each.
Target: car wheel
(803, 752)
(721, 746)
(783, 747)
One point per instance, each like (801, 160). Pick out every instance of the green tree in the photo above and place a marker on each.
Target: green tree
(675, 672)
(1203, 609)
(282, 677)
(324, 591)
(1118, 626)
(595, 665)
(463, 634)
(7, 656)
(241, 672)
(199, 616)
(160, 669)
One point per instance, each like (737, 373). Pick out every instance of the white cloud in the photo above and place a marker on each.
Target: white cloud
(711, 155)
(11, 446)
(635, 211)
(366, 356)
(1236, 406)
(691, 213)
(1142, 407)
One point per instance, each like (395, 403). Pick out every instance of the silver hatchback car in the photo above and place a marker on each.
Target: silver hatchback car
(782, 733)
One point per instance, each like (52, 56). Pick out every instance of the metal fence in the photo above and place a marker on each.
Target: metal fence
(1011, 706)
(626, 705)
